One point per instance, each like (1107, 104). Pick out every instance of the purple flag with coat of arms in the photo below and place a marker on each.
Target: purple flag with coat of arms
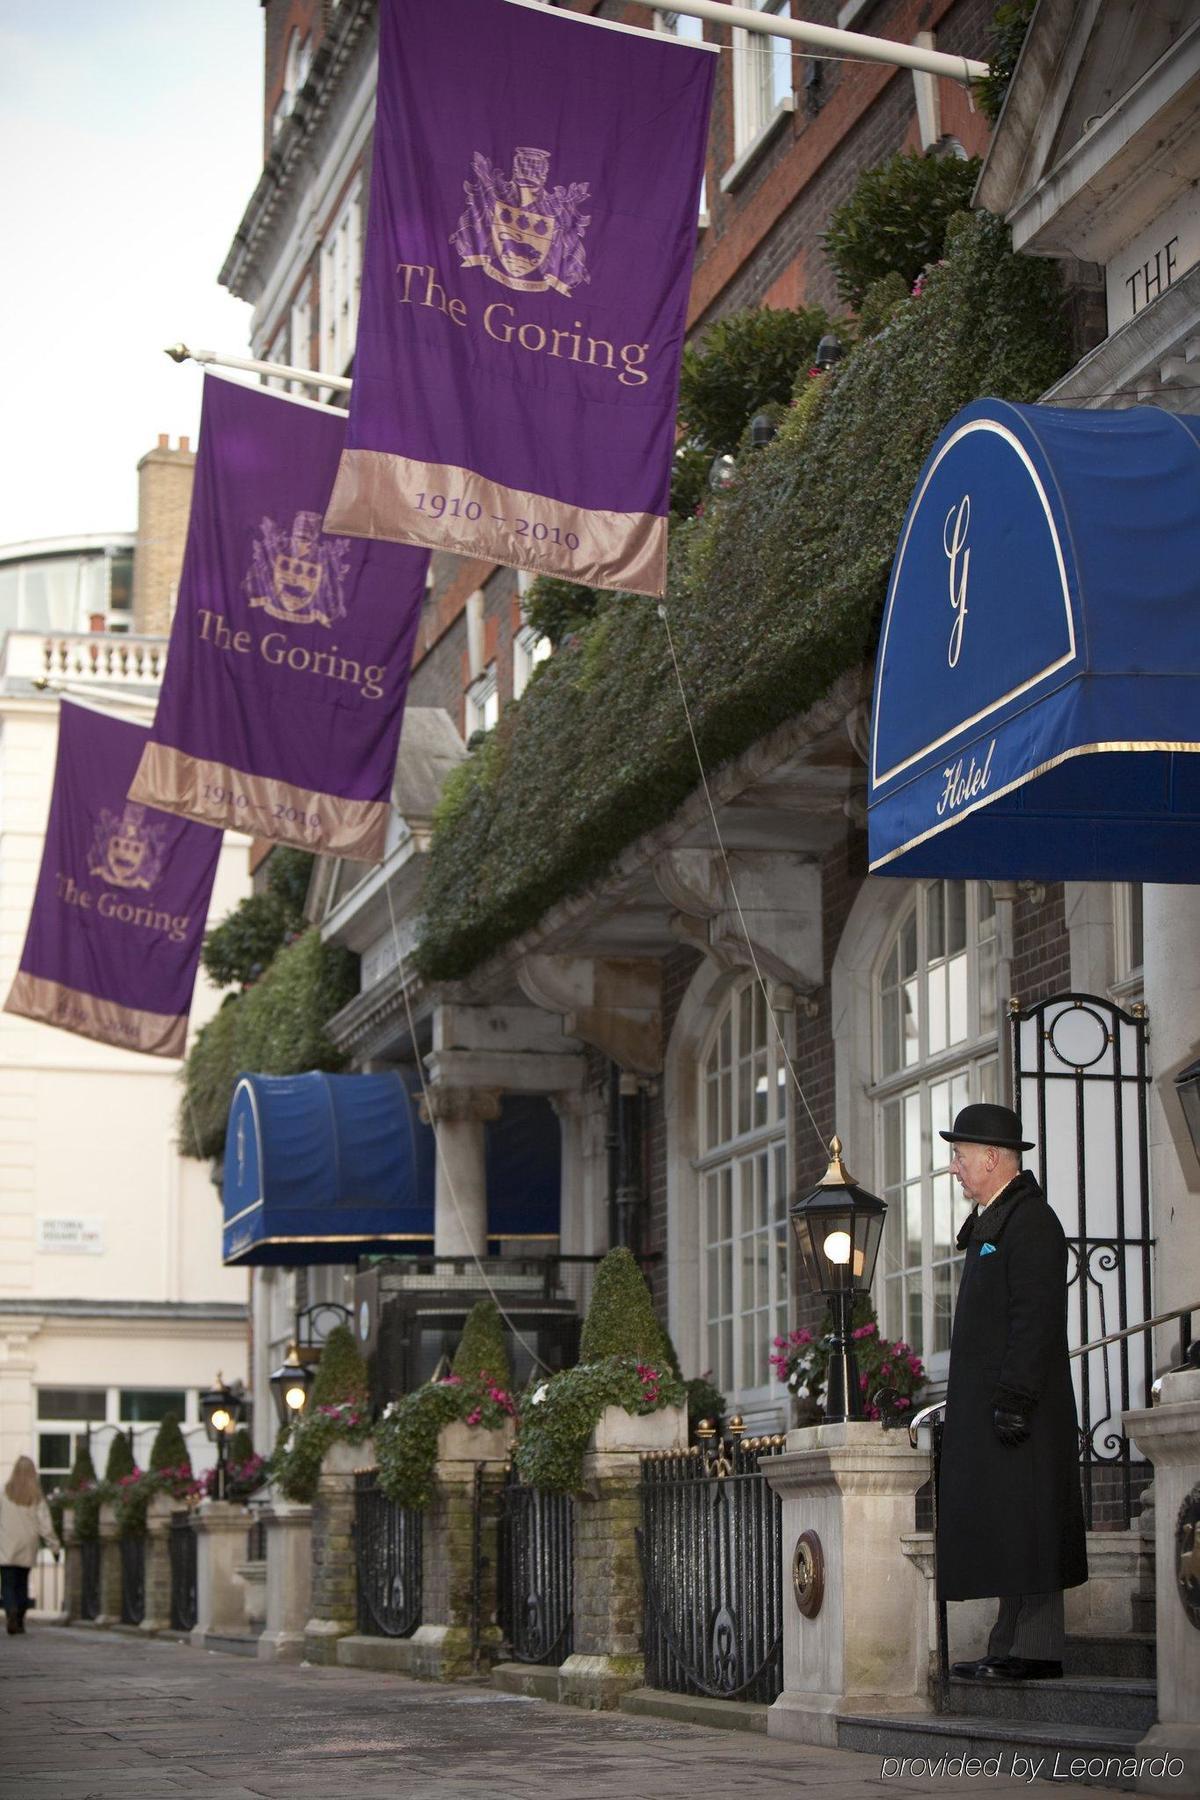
(529, 251)
(121, 900)
(290, 652)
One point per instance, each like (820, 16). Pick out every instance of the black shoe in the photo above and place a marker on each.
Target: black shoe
(969, 1671)
(13, 1623)
(1018, 1668)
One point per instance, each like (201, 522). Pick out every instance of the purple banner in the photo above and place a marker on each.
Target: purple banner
(532, 225)
(290, 652)
(121, 900)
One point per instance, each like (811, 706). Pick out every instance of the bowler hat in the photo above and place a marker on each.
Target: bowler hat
(987, 1124)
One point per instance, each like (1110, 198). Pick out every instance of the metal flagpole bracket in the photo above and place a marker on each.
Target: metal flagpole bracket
(181, 353)
(824, 38)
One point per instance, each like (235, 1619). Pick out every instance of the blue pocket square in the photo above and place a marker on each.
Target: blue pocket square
(987, 1250)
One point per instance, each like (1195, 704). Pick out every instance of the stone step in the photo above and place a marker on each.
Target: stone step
(1113, 1704)
(231, 1643)
(1044, 1752)
(533, 1680)
(696, 1709)
(1130, 1655)
(1142, 1608)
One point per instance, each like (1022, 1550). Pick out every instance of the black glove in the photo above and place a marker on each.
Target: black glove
(1012, 1428)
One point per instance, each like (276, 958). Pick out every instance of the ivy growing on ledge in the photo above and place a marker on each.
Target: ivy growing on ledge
(277, 1027)
(773, 593)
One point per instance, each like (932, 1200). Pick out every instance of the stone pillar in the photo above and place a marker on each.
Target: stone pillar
(110, 1569)
(1169, 1434)
(72, 1568)
(460, 1192)
(866, 1650)
(1171, 932)
(221, 1529)
(607, 1660)
(157, 1613)
(334, 1582)
(289, 1580)
(443, 1646)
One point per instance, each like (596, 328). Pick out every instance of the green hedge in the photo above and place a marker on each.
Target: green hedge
(773, 594)
(276, 1027)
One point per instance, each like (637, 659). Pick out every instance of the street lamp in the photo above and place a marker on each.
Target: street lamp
(762, 429)
(722, 473)
(221, 1409)
(830, 350)
(838, 1228)
(290, 1386)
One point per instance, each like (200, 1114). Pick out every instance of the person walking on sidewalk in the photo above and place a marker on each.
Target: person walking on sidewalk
(1010, 1511)
(25, 1523)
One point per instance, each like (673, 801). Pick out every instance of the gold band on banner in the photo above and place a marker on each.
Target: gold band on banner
(393, 498)
(216, 794)
(125, 1027)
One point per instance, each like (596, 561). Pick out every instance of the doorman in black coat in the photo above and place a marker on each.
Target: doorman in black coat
(1010, 1513)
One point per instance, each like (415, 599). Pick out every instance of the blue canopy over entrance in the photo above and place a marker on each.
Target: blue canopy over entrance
(326, 1168)
(1037, 686)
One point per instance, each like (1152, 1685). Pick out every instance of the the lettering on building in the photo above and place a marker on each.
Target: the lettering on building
(962, 787)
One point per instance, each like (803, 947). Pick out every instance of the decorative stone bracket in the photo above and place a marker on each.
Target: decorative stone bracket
(776, 913)
(613, 1003)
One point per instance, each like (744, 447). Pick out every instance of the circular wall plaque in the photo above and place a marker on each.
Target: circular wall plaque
(1187, 1556)
(808, 1573)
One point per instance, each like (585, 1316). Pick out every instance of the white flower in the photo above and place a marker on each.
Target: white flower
(539, 1394)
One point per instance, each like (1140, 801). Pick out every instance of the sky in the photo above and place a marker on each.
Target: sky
(130, 144)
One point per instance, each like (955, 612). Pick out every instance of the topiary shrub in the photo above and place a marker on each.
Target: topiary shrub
(621, 1320)
(241, 1446)
(483, 1347)
(895, 219)
(704, 1401)
(341, 1372)
(169, 1450)
(120, 1459)
(83, 1469)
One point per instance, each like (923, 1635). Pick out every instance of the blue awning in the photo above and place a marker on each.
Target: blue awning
(326, 1168)
(1037, 687)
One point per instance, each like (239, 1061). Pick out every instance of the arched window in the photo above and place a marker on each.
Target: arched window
(742, 1169)
(936, 1049)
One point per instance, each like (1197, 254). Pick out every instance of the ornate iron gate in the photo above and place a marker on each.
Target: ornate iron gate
(133, 1579)
(710, 1545)
(537, 1573)
(387, 1551)
(1080, 1076)
(181, 1543)
(89, 1572)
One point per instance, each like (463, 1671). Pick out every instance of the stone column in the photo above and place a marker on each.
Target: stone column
(157, 1613)
(110, 1569)
(866, 1650)
(607, 1660)
(443, 1646)
(334, 1581)
(1169, 1434)
(221, 1529)
(460, 1192)
(72, 1568)
(1171, 932)
(289, 1580)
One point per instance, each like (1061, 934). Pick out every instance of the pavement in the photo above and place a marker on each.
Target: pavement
(87, 1715)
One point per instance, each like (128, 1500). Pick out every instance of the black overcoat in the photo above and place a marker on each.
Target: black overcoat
(1010, 1520)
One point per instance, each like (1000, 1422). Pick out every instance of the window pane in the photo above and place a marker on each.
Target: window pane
(912, 1024)
(908, 946)
(71, 1403)
(915, 1332)
(935, 920)
(149, 1406)
(956, 978)
(912, 1228)
(956, 916)
(54, 1451)
(889, 1031)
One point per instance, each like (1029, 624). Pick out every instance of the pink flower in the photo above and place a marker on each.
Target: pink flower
(902, 1403)
(918, 287)
(450, 1381)
(814, 372)
(779, 1342)
(802, 1337)
(475, 1416)
(865, 1331)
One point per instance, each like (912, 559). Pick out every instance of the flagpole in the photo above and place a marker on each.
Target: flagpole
(341, 384)
(825, 37)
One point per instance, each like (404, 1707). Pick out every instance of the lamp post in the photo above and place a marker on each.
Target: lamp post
(838, 1228)
(290, 1386)
(221, 1409)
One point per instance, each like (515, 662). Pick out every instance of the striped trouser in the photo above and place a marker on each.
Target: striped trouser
(1031, 1626)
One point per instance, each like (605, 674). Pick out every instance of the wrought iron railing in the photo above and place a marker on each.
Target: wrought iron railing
(710, 1545)
(388, 1542)
(537, 1578)
(133, 1579)
(256, 1540)
(89, 1571)
(181, 1543)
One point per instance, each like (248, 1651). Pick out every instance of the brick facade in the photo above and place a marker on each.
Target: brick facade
(165, 476)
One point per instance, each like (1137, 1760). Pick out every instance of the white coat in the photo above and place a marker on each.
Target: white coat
(22, 1528)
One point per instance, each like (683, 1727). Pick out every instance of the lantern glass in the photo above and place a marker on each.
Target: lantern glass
(1187, 1086)
(838, 1229)
(290, 1386)
(221, 1410)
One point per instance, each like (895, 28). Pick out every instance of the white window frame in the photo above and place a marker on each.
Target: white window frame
(1129, 979)
(746, 1175)
(341, 283)
(529, 647)
(921, 1098)
(482, 703)
(688, 30)
(761, 100)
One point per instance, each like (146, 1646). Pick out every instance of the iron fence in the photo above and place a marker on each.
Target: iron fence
(536, 1575)
(133, 1579)
(181, 1544)
(256, 1541)
(89, 1568)
(388, 1542)
(710, 1546)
